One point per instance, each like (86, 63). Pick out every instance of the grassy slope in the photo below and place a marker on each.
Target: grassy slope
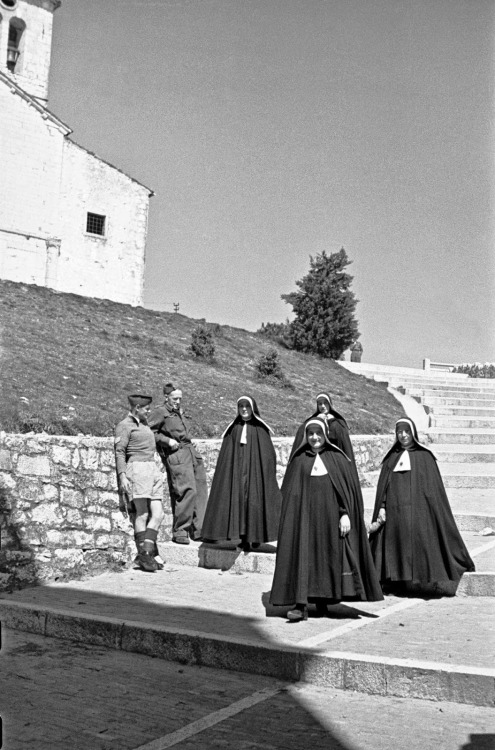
(74, 359)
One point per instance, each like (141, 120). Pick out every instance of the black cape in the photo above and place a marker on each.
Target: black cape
(419, 541)
(245, 498)
(309, 528)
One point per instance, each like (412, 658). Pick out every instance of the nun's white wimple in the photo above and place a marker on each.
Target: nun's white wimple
(246, 398)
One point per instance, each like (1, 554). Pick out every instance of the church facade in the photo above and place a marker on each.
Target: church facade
(68, 219)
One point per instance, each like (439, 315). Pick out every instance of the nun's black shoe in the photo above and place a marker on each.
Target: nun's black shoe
(255, 545)
(321, 608)
(300, 612)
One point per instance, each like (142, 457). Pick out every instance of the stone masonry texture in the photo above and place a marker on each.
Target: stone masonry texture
(59, 509)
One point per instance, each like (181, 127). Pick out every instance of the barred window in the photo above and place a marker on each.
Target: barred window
(95, 224)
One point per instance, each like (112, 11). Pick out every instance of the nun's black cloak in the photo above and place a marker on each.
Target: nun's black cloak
(419, 542)
(313, 560)
(245, 498)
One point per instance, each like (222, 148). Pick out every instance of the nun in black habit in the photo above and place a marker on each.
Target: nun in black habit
(245, 498)
(417, 545)
(323, 553)
(338, 434)
(337, 429)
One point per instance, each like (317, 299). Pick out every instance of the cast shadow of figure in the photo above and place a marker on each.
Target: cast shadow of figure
(279, 721)
(479, 742)
(341, 611)
(18, 565)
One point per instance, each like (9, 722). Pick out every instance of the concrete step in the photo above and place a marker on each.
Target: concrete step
(459, 435)
(470, 412)
(464, 453)
(439, 649)
(469, 423)
(449, 392)
(473, 509)
(464, 387)
(434, 401)
(468, 475)
(460, 475)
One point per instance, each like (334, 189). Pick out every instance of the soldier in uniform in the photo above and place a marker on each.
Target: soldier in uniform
(184, 465)
(140, 481)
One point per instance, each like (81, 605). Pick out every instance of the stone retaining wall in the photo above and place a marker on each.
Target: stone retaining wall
(59, 513)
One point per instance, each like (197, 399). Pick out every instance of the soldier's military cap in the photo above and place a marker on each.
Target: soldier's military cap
(139, 400)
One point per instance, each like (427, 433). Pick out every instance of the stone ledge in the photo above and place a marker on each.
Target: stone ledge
(405, 678)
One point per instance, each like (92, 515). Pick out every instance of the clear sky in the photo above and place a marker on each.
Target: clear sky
(272, 130)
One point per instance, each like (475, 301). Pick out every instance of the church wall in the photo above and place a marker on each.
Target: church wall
(111, 266)
(30, 156)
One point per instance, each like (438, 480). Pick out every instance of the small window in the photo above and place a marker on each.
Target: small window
(95, 224)
(10, 4)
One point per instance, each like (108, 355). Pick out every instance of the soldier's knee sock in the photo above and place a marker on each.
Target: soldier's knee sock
(139, 537)
(149, 542)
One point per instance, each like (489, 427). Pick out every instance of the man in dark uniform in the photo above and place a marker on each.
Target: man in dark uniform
(139, 479)
(185, 469)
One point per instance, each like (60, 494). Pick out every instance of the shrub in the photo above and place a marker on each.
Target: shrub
(268, 369)
(279, 332)
(202, 343)
(477, 370)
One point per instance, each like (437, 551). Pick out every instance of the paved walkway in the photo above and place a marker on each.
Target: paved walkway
(58, 695)
(441, 648)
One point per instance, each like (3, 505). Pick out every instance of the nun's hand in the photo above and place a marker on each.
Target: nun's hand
(344, 525)
(382, 516)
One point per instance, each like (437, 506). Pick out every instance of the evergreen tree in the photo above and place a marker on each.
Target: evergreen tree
(324, 307)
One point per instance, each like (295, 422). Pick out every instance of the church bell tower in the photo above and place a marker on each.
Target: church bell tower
(26, 42)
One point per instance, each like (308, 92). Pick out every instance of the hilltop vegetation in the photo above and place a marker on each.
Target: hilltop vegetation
(67, 363)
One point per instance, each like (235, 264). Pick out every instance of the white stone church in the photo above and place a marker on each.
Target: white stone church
(68, 219)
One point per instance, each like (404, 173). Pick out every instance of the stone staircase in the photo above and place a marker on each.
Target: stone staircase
(461, 414)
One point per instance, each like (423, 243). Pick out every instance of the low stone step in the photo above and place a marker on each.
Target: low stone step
(230, 558)
(463, 453)
(469, 423)
(459, 435)
(455, 478)
(438, 649)
(470, 412)
(468, 475)
(434, 401)
(428, 393)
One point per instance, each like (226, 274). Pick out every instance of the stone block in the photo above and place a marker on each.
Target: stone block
(96, 523)
(100, 631)
(72, 517)
(18, 616)
(107, 460)
(321, 669)
(48, 514)
(32, 535)
(68, 558)
(5, 460)
(61, 455)
(89, 458)
(76, 459)
(72, 498)
(70, 538)
(7, 481)
(34, 465)
(50, 492)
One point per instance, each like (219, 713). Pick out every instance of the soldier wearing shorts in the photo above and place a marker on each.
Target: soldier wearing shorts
(139, 479)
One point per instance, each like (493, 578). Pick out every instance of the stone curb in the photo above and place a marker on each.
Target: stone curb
(472, 584)
(402, 678)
